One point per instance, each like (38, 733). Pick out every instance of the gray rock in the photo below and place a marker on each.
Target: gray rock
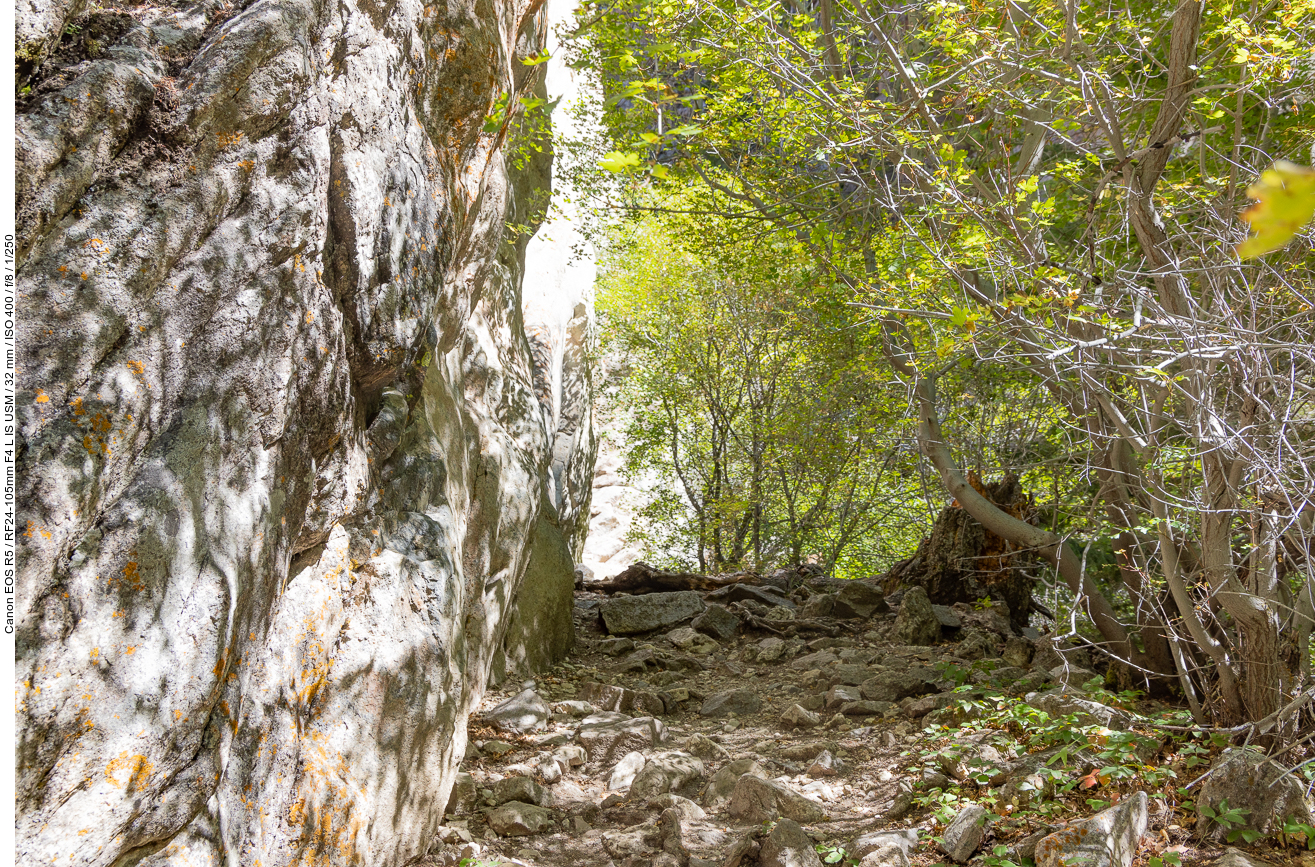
(895, 684)
(825, 765)
(575, 709)
(464, 795)
(976, 644)
(630, 615)
(820, 659)
(523, 712)
(798, 717)
(839, 695)
(624, 771)
(1247, 780)
(887, 857)
(616, 646)
(496, 749)
(516, 819)
(666, 772)
(1235, 858)
(819, 606)
(540, 630)
(805, 751)
(1018, 652)
(570, 755)
(606, 740)
(964, 761)
(946, 616)
(916, 708)
(689, 811)
(322, 465)
(867, 708)
(1107, 839)
(520, 789)
(718, 622)
(770, 649)
(759, 800)
(737, 701)
(722, 785)
(692, 641)
(621, 700)
(1072, 677)
(670, 840)
(788, 845)
(769, 596)
(917, 623)
(848, 674)
(634, 843)
(858, 601)
(705, 748)
(902, 841)
(1060, 703)
(965, 833)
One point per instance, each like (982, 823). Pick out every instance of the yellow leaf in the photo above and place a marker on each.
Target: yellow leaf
(617, 161)
(1286, 202)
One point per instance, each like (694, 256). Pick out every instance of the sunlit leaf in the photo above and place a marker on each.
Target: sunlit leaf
(616, 161)
(1285, 197)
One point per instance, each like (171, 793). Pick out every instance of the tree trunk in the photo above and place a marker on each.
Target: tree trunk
(962, 561)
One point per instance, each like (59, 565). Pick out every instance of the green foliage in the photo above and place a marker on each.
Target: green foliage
(831, 854)
(1296, 834)
(1024, 207)
(1231, 820)
(750, 388)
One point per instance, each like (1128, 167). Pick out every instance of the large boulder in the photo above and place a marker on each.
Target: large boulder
(1260, 789)
(917, 623)
(1108, 839)
(758, 800)
(606, 738)
(296, 394)
(631, 615)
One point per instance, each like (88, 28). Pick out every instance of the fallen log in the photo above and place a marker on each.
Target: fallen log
(642, 578)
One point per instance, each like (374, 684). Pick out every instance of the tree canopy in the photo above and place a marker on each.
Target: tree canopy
(1037, 204)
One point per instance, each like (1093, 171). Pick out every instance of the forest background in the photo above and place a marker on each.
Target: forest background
(875, 256)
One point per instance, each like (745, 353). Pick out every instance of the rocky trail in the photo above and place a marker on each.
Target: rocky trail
(790, 726)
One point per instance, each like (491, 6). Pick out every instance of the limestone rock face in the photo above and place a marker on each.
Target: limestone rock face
(290, 437)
